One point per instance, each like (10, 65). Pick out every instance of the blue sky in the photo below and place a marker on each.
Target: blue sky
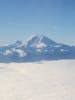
(21, 18)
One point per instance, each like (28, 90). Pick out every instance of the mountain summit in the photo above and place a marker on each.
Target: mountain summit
(36, 48)
(39, 41)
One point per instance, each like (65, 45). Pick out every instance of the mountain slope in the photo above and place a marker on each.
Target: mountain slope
(36, 48)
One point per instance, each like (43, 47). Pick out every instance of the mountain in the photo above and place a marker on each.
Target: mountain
(36, 48)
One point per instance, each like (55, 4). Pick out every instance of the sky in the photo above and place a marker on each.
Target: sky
(19, 19)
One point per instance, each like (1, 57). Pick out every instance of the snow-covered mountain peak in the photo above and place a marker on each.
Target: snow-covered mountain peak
(39, 41)
(36, 48)
(18, 42)
(35, 36)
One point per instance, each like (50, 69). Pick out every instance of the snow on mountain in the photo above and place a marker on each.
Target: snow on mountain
(39, 41)
(62, 50)
(38, 44)
(57, 46)
(21, 52)
(7, 52)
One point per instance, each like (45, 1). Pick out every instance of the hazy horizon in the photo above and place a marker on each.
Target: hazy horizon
(26, 38)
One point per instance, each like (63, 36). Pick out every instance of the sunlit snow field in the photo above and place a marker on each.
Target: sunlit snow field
(51, 80)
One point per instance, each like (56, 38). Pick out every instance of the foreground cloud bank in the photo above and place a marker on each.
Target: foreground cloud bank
(54, 80)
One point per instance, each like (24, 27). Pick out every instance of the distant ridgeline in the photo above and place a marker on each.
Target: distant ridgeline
(36, 48)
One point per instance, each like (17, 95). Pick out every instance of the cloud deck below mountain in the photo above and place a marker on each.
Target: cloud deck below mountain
(54, 80)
